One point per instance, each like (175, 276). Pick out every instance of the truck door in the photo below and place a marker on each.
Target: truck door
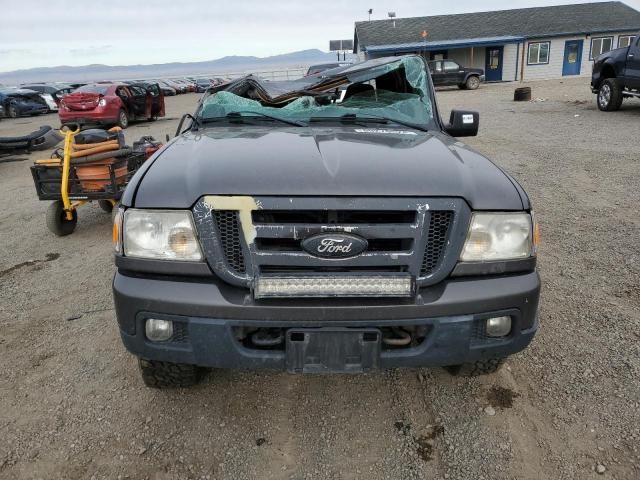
(454, 73)
(632, 70)
(437, 72)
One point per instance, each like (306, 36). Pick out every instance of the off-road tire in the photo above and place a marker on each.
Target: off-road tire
(106, 205)
(609, 97)
(156, 374)
(123, 120)
(479, 367)
(472, 83)
(57, 221)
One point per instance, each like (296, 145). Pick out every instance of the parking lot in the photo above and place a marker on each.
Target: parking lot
(72, 404)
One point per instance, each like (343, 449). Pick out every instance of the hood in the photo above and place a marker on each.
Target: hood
(618, 54)
(318, 161)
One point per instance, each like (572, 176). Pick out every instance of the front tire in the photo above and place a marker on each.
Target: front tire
(12, 112)
(157, 374)
(57, 221)
(479, 367)
(472, 83)
(610, 95)
(123, 119)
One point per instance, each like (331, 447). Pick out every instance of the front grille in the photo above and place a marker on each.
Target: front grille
(229, 233)
(437, 236)
(419, 236)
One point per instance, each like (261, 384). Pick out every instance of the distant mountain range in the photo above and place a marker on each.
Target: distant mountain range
(220, 66)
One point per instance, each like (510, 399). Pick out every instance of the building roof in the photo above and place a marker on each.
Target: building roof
(533, 22)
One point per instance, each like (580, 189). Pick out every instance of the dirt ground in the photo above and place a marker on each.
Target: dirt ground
(72, 404)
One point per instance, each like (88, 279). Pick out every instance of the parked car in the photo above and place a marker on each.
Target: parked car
(112, 104)
(449, 73)
(167, 90)
(179, 88)
(202, 84)
(314, 69)
(616, 76)
(186, 84)
(331, 237)
(18, 102)
(52, 94)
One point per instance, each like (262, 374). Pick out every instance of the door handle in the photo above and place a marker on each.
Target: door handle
(631, 55)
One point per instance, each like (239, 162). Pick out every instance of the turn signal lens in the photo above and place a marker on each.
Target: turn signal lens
(116, 237)
(536, 232)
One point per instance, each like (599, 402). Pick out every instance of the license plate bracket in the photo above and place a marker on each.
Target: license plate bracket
(332, 350)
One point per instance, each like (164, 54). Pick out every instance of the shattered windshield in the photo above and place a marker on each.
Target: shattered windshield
(378, 91)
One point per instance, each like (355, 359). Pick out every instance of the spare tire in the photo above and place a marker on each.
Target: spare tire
(522, 94)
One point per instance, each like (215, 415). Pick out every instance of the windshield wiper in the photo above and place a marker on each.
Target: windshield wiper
(249, 114)
(353, 118)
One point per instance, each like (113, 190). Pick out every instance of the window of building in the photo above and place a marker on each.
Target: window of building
(625, 40)
(538, 53)
(600, 45)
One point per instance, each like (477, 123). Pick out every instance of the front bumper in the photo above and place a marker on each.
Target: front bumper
(209, 310)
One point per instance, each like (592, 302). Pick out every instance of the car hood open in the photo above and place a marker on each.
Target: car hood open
(320, 161)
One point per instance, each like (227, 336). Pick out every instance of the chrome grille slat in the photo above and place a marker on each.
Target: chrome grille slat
(297, 230)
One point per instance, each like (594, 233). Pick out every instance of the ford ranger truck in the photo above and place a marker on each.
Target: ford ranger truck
(616, 76)
(331, 224)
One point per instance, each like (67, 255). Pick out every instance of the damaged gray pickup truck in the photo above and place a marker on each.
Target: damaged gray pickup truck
(322, 225)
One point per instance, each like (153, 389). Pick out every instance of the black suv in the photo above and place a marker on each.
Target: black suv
(324, 225)
(449, 73)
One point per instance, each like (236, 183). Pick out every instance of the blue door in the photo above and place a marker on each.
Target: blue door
(493, 64)
(572, 57)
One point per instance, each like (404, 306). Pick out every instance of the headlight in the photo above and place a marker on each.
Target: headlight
(498, 236)
(160, 234)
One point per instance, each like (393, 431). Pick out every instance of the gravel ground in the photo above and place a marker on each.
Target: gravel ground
(72, 404)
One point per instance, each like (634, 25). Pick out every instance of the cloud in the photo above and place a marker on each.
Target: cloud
(15, 51)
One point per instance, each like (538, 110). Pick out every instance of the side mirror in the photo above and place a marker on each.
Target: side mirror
(463, 123)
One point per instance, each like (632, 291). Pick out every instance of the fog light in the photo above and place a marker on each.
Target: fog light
(158, 330)
(498, 326)
(334, 286)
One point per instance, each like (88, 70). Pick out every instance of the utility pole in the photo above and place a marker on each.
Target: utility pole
(370, 12)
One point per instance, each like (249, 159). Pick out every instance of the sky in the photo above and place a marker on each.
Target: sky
(42, 33)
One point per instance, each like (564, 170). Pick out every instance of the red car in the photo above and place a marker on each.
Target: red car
(112, 104)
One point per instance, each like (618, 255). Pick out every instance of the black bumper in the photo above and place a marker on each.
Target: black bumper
(208, 311)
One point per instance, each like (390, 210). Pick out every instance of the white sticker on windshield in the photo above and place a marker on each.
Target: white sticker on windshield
(382, 130)
(467, 119)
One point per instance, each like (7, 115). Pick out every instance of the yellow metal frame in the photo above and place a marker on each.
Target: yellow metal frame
(66, 166)
(68, 205)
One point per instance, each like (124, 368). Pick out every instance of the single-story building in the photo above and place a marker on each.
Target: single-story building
(524, 43)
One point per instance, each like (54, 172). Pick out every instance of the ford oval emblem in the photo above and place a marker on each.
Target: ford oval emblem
(334, 245)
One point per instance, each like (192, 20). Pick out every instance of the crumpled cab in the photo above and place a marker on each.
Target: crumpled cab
(112, 104)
